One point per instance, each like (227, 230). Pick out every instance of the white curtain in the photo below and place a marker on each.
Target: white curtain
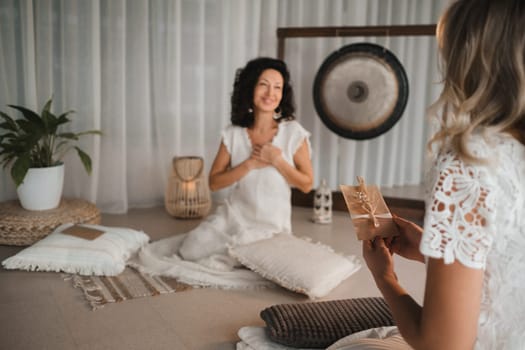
(156, 78)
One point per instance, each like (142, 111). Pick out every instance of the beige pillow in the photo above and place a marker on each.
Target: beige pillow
(297, 264)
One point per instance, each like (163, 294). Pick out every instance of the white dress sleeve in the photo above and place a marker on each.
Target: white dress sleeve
(297, 136)
(227, 137)
(459, 217)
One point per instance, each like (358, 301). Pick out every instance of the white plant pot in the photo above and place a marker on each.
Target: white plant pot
(42, 188)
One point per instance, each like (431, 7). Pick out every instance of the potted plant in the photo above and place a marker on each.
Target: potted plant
(35, 147)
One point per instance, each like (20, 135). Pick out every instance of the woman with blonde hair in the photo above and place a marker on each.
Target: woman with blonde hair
(473, 240)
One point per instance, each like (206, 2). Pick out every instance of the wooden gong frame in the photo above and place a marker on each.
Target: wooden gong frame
(410, 208)
(331, 119)
(284, 33)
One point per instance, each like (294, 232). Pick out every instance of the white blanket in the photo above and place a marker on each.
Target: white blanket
(382, 338)
(218, 270)
(255, 338)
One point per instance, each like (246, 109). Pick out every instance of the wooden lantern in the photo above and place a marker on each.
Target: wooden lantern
(187, 195)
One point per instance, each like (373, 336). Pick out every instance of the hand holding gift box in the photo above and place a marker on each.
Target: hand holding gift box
(368, 210)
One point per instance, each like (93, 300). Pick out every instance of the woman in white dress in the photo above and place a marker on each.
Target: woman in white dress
(473, 240)
(263, 153)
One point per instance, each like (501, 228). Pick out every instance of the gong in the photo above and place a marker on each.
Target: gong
(360, 91)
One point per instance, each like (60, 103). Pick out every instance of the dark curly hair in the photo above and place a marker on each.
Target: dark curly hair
(244, 85)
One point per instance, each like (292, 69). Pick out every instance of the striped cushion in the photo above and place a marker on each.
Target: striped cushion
(320, 324)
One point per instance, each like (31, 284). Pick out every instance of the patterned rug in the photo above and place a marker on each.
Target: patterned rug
(130, 284)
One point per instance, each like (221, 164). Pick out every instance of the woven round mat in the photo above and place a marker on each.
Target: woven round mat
(19, 226)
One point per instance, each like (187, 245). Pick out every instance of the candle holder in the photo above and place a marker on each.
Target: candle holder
(188, 194)
(322, 211)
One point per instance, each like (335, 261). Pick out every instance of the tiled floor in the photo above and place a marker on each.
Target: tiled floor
(41, 311)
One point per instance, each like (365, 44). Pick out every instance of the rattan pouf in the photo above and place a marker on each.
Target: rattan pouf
(19, 226)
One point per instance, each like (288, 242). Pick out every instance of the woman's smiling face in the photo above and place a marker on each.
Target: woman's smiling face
(268, 91)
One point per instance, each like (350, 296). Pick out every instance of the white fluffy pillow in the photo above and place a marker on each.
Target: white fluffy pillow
(104, 256)
(297, 264)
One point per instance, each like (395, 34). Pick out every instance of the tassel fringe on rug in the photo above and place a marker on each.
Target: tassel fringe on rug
(130, 284)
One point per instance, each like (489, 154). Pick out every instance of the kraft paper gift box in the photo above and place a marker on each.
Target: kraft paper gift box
(368, 210)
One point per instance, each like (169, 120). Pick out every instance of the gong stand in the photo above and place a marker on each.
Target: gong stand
(405, 207)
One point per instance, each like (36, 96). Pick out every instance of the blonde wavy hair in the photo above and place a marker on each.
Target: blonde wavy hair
(482, 46)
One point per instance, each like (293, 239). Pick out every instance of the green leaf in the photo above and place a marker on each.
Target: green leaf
(20, 168)
(50, 122)
(47, 106)
(62, 119)
(90, 132)
(8, 136)
(31, 128)
(9, 123)
(30, 115)
(68, 135)
(8, 126)
(86, 160)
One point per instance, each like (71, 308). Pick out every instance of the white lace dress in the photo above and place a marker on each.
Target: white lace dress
(259, 205)
(476, 215)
